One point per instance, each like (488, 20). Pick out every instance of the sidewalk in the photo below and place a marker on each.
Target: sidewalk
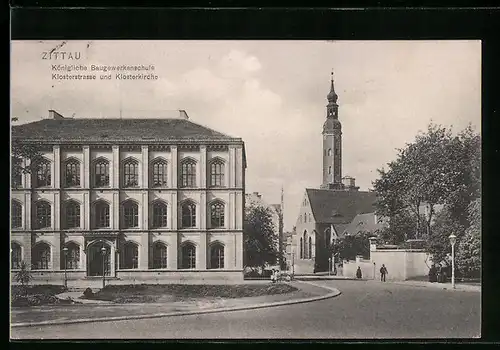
(447, 286)
(74, 313)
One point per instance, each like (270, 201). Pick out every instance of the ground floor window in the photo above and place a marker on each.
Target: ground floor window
(15, 256)
(73, 256)
(40, 257)
(159, 256)
(188, 256)
(130, 257)
(217, 256)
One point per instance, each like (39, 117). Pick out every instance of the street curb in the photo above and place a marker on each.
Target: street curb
(334, 293)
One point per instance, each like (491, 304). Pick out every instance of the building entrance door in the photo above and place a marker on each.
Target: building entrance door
(97, 262)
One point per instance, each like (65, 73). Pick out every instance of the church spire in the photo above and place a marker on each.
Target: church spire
(332, 96)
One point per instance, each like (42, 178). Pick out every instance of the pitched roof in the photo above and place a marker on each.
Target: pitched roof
(103, 130)
(339, 207)
(364, 223)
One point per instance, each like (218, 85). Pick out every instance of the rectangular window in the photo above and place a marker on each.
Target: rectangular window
(160, 174)
(43, 175)
(130, 174)
(217, 174)
(72, 174)
(188, 174)
(101, 174)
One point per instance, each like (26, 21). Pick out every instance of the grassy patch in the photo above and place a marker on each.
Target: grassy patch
(36, 295)
(147, 293)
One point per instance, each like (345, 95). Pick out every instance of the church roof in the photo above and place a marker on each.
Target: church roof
(364, 223)
(114, 129)
(339, 207)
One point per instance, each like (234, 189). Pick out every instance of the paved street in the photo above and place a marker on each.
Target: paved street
(366, 309)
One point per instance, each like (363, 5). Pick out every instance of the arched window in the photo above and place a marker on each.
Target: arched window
(16, 214)
(42, 215)
(310, 217)
(72, 217)
(159, 256)
(159, 214)
(309, 246)
(217, 256)
(15, 256)
(101, 218)
(329, 152)
(130, 256)
(188, 256)
(72, 173)
(301, 248)
(130, 173)
(328, 237)
(188, 173)
(217, 173)
(217, 215)
(42, 174)
(72, 256)
(40, 256)
(188, 215)
(305, 218)
(130, 214)
(101, 173)
(159, 173)
(305, 245)
(329, 170)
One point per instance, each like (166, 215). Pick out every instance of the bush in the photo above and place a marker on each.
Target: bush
(35, 295)
(88, 293)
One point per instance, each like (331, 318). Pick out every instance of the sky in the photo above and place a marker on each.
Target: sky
(272, 94)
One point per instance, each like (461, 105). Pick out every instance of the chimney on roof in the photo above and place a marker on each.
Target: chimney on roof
(54, 115)
(183, 114)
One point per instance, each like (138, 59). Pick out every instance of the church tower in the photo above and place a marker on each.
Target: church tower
(332, 144)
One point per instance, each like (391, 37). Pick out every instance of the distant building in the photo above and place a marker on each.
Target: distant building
(162, 198)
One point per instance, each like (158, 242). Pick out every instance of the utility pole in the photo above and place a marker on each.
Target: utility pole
(280, 229)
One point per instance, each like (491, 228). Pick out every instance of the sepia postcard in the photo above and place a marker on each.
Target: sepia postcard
(213, 189)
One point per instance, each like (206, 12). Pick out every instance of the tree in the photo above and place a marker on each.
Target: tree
(348, 247)
(22, 151)
(260, 240)
(438, 242)
(23, 276)
(437, 168)
(468, 257)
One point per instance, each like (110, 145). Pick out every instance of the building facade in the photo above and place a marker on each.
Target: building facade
(129, 198)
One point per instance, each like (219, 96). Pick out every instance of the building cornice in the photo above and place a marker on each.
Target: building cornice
(141, 141)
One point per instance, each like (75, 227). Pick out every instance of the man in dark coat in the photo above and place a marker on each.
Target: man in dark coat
(383, 272)
(358, 273)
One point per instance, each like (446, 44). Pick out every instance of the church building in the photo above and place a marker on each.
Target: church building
(326, 212)
(150, 199)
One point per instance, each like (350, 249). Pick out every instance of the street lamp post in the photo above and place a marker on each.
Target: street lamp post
(293, 264)
(453, 240)
(103, 253)
(329, 266)
(65, 251)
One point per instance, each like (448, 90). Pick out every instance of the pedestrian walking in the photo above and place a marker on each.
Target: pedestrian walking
(358, 273)
(383, 272)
